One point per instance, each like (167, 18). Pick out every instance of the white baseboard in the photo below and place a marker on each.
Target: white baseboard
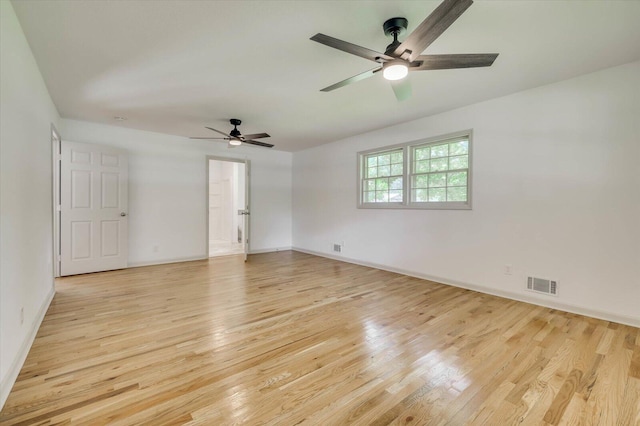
(269, 250)
(12, 374)
(581, 310)
(165, 261)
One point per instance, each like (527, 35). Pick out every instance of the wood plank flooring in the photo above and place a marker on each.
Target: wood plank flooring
(290, 338)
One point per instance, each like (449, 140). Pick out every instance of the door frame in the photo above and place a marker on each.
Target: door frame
(56, 147)
(247, 194)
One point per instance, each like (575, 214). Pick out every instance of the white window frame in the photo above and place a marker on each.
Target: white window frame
(407, 152)
(363, 156)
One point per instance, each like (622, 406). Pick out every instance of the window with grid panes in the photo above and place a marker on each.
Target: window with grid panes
(427, 174)
(440, 172)
(383, 177)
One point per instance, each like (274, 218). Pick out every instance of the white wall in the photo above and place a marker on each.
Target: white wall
(168, 191)
(26, 254)
(556, 194)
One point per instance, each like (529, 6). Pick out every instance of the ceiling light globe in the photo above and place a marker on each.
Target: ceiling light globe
(235, 142)
(395, 71)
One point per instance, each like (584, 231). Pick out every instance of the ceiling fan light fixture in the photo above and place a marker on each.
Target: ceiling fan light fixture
(395, 70)
(235, 142)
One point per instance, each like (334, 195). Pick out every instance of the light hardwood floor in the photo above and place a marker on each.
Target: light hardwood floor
(290, 338)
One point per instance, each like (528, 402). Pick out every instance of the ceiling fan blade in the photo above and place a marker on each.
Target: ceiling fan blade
(350, 80)
(431, 28)
(354, 49)
(222, 133)
(249, 141)
(402, 89)
(211, 139)
(443, 62)
(256, 136)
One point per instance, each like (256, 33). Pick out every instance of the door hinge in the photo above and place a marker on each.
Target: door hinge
(59, 258)
(59, 208)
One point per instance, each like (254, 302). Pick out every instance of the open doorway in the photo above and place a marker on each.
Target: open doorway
(228, 206)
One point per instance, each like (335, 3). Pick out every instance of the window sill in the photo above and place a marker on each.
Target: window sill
(416, 206)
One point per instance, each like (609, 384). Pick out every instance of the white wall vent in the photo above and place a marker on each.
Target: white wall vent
(541, 285)
(337, 248)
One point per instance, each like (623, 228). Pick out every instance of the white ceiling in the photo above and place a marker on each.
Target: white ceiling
(176, 66)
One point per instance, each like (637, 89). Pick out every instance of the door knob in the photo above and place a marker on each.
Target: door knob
(123, 214)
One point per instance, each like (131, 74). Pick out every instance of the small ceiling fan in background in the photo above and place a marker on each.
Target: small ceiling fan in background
(401, 57)
(235, 138)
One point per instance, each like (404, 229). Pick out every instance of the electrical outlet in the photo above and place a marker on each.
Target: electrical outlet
(21, 315)
(508, 270)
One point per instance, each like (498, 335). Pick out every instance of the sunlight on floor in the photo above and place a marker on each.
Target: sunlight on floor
(224, 248)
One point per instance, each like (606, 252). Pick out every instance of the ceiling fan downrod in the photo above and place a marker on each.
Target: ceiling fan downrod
(394, 27)
(235, 132)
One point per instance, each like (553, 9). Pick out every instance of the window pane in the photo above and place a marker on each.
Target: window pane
(372, 172)
(384, 170)
(439, 164)
(396, 183)
(420, 181)
(395, 196)
(370, 185)
(438, 194)
(457, 148)
(457, 193)
(369, 197)
(382, 196)
(396, 157)
(372, 161)
(420, 195)
(384, 160)
(439, 151)
(422, 166)
(437, 179)
(460, 162)
(457, 179)
(396, 169)
(382, 184)
(422, 153)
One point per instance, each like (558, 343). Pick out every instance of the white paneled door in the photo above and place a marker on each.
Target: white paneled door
(93, 208)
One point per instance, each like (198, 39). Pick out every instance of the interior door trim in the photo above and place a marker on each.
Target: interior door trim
(55, 198)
